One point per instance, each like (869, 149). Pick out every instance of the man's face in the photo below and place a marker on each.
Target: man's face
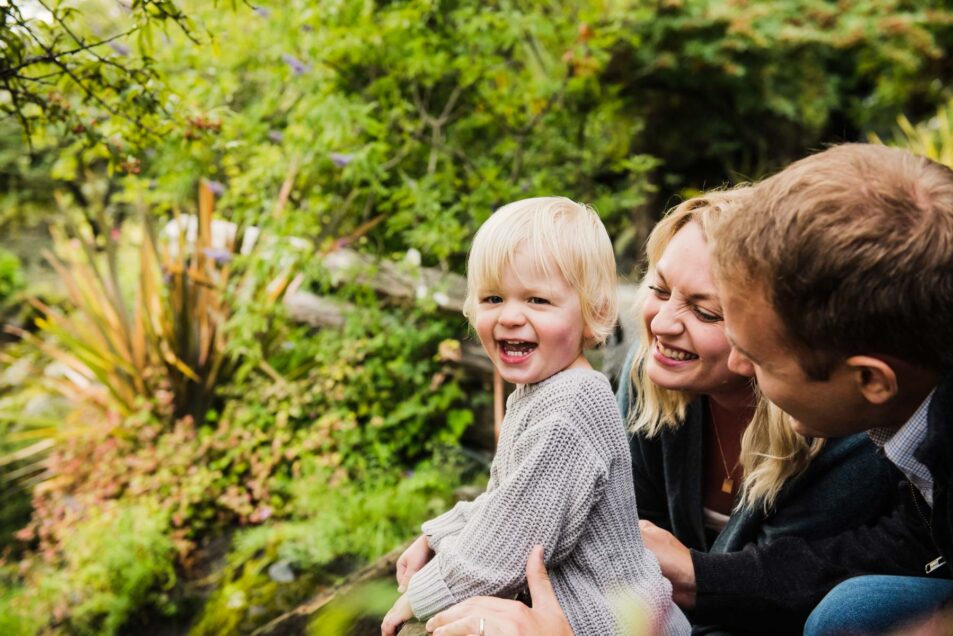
(829, 408)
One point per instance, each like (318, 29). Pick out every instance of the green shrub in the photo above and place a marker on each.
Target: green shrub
(117, 563)
(11, 275)
(338, 525)
(931, 138)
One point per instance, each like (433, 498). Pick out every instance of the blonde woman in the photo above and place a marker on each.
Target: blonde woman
(717, 469)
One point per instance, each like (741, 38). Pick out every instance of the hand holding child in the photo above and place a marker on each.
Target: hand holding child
(508, 618)
(674, 559)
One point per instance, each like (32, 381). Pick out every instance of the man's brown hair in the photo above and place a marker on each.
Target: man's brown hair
(853, 247)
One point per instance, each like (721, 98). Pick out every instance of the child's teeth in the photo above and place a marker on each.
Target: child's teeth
(517, 349)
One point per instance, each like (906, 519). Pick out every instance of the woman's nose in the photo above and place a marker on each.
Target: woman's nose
(667, 321)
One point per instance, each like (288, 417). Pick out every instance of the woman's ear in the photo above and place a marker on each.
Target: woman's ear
(876, 379)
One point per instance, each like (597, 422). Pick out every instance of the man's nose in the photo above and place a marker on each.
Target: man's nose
(739, 363)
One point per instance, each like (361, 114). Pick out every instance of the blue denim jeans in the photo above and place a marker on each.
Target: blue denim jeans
(876, 604)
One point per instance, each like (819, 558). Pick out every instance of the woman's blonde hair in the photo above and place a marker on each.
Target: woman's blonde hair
(560, 234)
(771, 452)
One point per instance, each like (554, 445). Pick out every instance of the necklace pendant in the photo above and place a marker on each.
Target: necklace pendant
(728, 485)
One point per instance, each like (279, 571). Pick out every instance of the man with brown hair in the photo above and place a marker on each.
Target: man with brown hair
(836, 279)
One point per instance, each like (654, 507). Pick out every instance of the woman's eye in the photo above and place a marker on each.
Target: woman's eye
(492, 300)
(536, 300)
(706, 316)
(661, 294)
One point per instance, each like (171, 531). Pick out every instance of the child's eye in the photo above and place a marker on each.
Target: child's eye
(661, 294)
(536, 300)
(706, 316)
(492, 300)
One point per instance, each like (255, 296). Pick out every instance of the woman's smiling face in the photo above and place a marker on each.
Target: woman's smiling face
(683, 317)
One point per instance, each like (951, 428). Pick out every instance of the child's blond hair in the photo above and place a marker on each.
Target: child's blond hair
(560, 234)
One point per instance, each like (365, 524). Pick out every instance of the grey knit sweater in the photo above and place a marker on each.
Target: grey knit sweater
(562, 478)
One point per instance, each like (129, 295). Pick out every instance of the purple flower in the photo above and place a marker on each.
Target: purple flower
(341, 159)
(120, 48)
(217, 187)
(297, 66)
(276, 136)
(219, 255)
(262, 12)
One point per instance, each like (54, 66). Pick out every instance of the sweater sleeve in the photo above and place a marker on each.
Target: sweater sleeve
(450, 522)
(783, 580)
(544, 500)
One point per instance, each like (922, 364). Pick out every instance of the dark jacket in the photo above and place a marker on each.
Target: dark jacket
(905, 542)
(847, 485)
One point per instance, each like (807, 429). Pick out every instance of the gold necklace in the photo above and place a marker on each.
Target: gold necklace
(727, 486)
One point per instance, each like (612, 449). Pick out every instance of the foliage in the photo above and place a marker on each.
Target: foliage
(377, 394)
(369, 601)
(336, 524)
(745, 87)
(932, 138)
(167, 347)
(11, 276)
(116, 562)
(52, 53)
(371, 397)
(30, 422)
(420, 116)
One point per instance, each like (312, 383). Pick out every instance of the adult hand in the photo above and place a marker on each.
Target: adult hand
(675, 560)
(412, 559)
(508, 618)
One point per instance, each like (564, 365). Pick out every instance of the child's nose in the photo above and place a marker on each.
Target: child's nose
(511, 314)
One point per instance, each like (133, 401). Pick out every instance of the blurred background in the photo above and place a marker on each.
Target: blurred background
(234, 377)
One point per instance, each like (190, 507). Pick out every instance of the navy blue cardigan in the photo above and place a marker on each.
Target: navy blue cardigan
(848, 484)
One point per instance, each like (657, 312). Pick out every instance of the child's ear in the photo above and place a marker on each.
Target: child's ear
(876, 379)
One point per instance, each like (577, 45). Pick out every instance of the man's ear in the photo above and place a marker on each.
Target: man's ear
(876, 379)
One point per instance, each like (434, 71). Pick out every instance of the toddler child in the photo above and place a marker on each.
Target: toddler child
(540, 289)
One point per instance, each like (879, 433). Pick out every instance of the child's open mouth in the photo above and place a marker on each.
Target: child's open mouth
(515, 350)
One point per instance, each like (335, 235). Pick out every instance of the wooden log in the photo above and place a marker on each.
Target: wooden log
(413, 628)
(398, 280)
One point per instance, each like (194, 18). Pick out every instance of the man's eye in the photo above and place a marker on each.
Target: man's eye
(536, 300)
(706, 316)
(492, 300)
(661, 294)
